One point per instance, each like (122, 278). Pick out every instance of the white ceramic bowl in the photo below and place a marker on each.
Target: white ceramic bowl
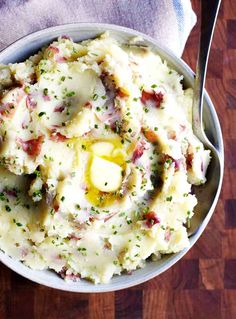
(208, 195)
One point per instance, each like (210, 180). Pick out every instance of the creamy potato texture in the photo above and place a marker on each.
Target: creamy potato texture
(97, 159)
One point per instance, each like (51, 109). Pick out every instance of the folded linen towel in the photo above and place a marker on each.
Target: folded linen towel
(169, 21)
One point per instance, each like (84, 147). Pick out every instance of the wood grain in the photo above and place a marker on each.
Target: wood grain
(203, 284)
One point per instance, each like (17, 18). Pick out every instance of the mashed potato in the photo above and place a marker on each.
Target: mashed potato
(97, 159)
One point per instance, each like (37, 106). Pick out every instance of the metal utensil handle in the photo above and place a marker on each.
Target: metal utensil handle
(209, 12)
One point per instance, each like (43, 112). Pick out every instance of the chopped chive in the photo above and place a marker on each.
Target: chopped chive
(37, 173)
(2, 197)
(45, 91)
(8, 208)
(27, 89)
(41, 114)
(19, 224)
(95, 97)
(37, 193)
(69, 94)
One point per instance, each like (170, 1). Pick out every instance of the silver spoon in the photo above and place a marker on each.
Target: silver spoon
(209, 12)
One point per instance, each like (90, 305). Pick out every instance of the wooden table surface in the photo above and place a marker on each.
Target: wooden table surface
(203, 284)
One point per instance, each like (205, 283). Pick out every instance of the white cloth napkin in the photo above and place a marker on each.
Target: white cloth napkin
(169, 21)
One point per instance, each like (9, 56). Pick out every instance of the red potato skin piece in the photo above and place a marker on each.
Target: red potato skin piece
(138, 152)
(10, 192)
(110, 216)
(59, 109)
(150, 135)
(30, 103)
(66, 37)
(121, 94)
(189, 160)
(58, 137)
(151, 219)
(32, 147)
(74, 237)
(56, 207)
(167, 235)
(172, 135)
(61, 59)
(88, 105)
(178, 163)
(55, 51)
(46, 98)
(71, 277)
(153, 96)
(7, 109)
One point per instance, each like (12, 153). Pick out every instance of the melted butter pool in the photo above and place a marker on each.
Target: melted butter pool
(107, 151)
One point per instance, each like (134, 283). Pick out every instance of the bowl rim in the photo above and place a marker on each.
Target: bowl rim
(5, 259)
